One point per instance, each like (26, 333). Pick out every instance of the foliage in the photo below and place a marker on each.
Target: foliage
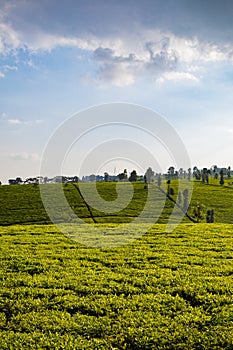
(163, 291)
(198, 212)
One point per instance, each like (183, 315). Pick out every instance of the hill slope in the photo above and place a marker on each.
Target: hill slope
(23, 204)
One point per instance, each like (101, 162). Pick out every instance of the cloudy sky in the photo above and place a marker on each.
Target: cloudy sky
(60, 57)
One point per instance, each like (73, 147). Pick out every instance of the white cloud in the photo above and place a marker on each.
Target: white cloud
(17, 121)
(7, 67)
(2, 75)
(14, 121)
(121, 55)
(119, 74)
(24, 156)
(9, 38)
(177, 76)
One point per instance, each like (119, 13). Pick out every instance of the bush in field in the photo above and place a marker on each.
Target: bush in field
(149, 175)
(159, 180)
(189, 174)
(210, 216)
(198, 212)
(221, 178)
(186, 202)
(171, 191)
(179, 198)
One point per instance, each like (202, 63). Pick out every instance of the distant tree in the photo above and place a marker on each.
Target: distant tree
(198, 212)
(92, 177)
(133, 176)
(195, 168)
(205, 175)
(171, 171)
(179, 198)
(171, 191)
(215, 169)
(221, 177)
(106, 177)
(196, 173)
(229, 173)
(75, 179)
(16, 181)
(168, 186)
(186, 201)
(0, 183)
(189, 174)
(121, 176)
(149, 175)
(159, 180)
(181, 173)
(210, 216)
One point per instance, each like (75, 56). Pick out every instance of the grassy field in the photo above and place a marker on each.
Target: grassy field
(164, 291)
(23, 205)
(161, 291)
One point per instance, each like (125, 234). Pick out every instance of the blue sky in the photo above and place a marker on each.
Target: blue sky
(60, 57)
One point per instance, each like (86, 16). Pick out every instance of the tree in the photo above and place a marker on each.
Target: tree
(229, 173)
(196, 173)
(198, 212)
(16, 181)
(121, 176)
(179, 198)
(171, 191)
(181, 173)
(186, 201)
(168, 186)
(149, 175)
(133, 176)
(171, 171)
(189, 174)
(205, 175)
(210, 216)
(92, 177)
(159, 180)
(106, 177)
(221, 177)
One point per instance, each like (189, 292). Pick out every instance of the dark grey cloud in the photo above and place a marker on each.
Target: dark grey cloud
(211, 19)
(140, 37)
(163, 60)
(107, 55)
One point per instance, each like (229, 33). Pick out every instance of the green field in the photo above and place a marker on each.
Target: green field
(23, 205)
(162, 291)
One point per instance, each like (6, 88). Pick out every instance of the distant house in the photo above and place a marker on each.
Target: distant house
(63, 179)
(113, 178)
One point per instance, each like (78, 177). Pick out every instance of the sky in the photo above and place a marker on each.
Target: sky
(60, 57)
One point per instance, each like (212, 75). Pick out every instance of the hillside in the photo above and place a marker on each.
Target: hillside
(161, 291)
(22, 204)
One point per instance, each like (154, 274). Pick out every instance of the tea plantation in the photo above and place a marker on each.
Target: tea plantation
(22, 204)
(165, 290)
